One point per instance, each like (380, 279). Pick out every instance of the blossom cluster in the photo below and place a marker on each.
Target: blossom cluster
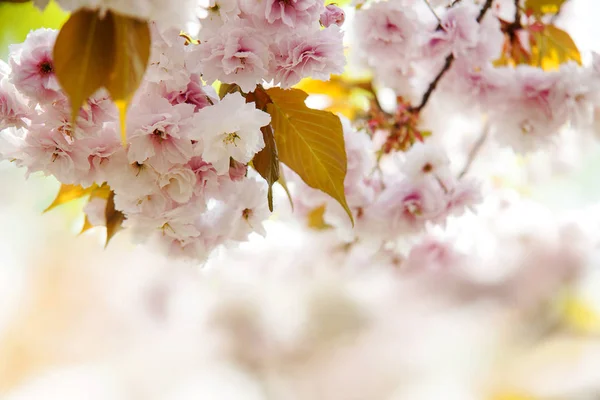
(390, 198)
(526, 106)
(247, 42)
(183, 171)
(183, 175)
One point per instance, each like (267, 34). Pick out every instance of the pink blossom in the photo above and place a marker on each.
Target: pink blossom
(219, 12)
(237, 171)
(425, 160)
(195, 93)
(100, 148)
(431, 256)
(206, 176)
(318, 55)
(13, 107)
(332, 15)
(531, 113)
(95, 211)
(158, 132)
(170, 14)
(294, 14)
(358, 186)
(168, 59)
(236, 54)
(130, 180)
(388, 33)
(32, 67)
(459, 29)
(230, 129)
(249, 206)
(53, 152)
(178, 183)
(405, 206)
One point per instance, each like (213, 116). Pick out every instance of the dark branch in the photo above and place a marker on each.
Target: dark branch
(447, 65)
(474, 151)
(434, 83)
(484, 10)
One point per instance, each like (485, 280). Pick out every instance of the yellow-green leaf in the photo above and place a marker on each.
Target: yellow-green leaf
(131, 55)
(541, 7)
(266, 162)
(114, 218)
(316, 220)
(310, 142)
(83, 55)
(67, 193)
(553, 46)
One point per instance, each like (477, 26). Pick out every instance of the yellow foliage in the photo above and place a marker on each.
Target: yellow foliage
(94, 51)
(67, 193)
(310, 142)
(315, 218)
(541, 7)
(553, 47)
(342, 92)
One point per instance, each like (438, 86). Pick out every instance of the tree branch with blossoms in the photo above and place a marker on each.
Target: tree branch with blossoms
(447, 63)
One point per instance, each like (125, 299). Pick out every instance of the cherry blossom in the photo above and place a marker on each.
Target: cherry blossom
(32, 68)
(318, 55)
(230, 129)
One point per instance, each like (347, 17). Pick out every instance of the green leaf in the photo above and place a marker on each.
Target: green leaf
(83, 55)
(114, 218)
(68, 193)
(310, 142)
(541, 7)
(266, 162)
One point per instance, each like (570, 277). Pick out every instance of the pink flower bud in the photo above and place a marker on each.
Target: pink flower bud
(332, 15)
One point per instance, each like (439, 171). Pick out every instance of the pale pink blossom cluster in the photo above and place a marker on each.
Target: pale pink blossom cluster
(176, 13)
(182, 178)
(526, 107)
(247, 42)
(393, 197)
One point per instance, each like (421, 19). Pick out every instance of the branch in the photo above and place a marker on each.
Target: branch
(474, 151)
(447, 65)
(433, 12)
(434, 83)
(484, 10)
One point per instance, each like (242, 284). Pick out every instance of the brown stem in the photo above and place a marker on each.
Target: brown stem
(474, 151)
(447, 65)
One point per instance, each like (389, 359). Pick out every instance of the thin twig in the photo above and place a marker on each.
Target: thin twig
(447, 65)
(434, 83)
(484, 10)
(433, 12)
(474, 151)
